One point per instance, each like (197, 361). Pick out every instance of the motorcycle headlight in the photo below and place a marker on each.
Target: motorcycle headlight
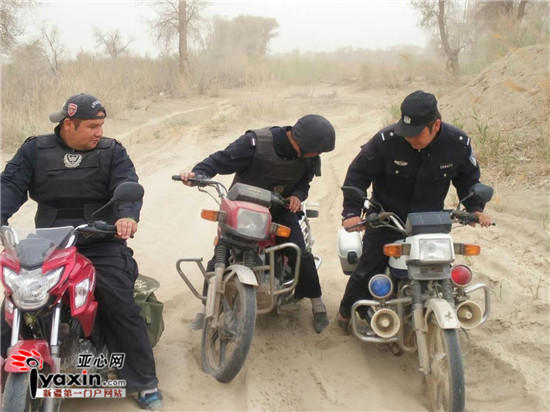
(252, 224)
(30, 287)
(435, 250)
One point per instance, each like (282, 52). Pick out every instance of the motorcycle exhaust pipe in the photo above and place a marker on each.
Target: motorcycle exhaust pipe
(469, 314)
(385, 323)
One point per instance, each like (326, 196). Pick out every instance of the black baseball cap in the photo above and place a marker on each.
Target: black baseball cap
(314, 134)
(80, 106)
(417, 110)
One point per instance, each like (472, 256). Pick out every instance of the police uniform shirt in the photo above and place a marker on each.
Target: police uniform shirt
(409, 180)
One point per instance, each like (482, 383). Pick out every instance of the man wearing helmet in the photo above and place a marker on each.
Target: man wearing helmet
(282, 159)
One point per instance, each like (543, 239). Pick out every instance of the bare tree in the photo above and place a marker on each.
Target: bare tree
(53, 49)
(10, 27)
(177, 19)
(112, 42)
(451, 20)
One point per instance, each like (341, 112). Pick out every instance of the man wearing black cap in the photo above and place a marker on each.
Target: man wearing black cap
(410, 165)
(282, 159)
(71, 173)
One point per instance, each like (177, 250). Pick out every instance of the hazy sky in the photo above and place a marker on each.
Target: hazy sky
(306, 25)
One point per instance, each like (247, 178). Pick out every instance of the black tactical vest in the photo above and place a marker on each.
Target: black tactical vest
(268, 170)
(69, 185)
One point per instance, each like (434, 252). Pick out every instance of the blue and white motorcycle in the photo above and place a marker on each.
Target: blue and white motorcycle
(422, 301)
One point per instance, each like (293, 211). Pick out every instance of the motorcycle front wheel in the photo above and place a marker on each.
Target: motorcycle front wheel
(225, 347)
(445, 382)
(17, 397)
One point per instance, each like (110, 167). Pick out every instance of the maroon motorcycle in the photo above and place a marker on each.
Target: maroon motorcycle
(251, 276)
(49, 289)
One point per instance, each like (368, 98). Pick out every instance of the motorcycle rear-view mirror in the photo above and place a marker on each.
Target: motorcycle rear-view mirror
(480, 190)
(483, 191)
(124, 192)
(128, 192)
(354, 192)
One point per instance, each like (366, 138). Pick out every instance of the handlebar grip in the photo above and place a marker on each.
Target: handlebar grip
(176, 177)
(279, 200)
(105, 227)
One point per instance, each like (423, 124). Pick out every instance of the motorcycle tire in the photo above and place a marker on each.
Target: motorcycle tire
(16, 397)
(224, 348)
(445, 382)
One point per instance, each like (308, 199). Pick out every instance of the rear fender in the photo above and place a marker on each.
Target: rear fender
(245, 274)
(445, 314)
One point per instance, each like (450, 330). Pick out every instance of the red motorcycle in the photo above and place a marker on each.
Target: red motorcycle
(251, 276)
(49, 288)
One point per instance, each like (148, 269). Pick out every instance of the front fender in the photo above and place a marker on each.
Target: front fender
(25, 349)
(445, 314)
(245, 274)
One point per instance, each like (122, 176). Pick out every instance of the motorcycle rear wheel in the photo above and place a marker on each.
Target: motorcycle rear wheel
(225, 347)
(445, 382)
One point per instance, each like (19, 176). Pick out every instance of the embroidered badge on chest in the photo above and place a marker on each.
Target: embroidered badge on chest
(72, 160)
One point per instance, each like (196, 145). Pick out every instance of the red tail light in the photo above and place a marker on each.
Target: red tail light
(461, 275)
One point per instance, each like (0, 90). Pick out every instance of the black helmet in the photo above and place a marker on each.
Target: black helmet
(314, 134)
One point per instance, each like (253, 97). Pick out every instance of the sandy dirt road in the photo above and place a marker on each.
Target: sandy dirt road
(289, 366)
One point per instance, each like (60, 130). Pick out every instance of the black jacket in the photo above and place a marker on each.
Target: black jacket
(407, 180)
(21, 177)
(238, 156)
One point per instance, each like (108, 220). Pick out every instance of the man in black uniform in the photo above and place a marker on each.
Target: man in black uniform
(283, 159)
(70, 173)
(410, 165)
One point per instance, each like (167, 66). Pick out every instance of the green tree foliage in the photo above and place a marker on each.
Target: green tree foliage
(246, 35)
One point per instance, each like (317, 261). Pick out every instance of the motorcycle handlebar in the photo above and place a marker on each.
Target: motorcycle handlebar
(198, 180)
(464, 217)
(99, 228)
(277, 199)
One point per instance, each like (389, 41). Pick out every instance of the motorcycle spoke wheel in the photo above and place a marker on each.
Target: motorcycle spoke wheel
(16, 396)
(445, 382)
(225, 346)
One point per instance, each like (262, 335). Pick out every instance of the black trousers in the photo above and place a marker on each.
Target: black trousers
(371, 262)
(308, 286)
(124, 329)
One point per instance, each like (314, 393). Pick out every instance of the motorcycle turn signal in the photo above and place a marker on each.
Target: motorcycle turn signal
(280, 230)
(212, 215)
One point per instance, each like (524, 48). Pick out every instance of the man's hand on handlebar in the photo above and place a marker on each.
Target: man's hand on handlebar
(185, 176)
(125, 228)
(294, 204)
(350, 222)
(484, 219)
